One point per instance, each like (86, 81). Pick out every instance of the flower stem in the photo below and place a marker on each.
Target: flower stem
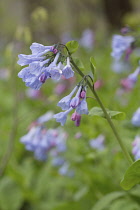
(124, 150)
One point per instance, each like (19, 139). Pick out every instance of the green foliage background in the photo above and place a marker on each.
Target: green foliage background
(27, 184)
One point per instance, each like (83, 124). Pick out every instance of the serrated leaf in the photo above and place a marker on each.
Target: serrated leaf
(72, 46)
(79, 64)
(104, 202)
(131, 176)
(92, 65)
(97, 111)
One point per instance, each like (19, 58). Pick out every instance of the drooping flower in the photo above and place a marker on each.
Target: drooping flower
(87, 39)
(62, 116)
(120, 44)
(136, 147)
(68, 103)
(129, 82)
(64, 103)
(76, 100)
(54, 69)
(39, 48)
(136, 118)
(67, 70)
(98, 142)
(27, 59)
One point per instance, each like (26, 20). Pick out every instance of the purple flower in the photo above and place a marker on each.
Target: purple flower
(77, 118)
(76, 100)
(98, 143)
(62, 116)
(64, 103)
(136, 118)
(120, 44)
(67, 70)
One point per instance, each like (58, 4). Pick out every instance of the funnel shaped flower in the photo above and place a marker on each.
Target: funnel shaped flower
(136, 118)
(62, 116)
(39, 48)
(67, 70)
(76, 100)
(64, 103)
(82, 108)
(34, 75)
(129, 82)
(136, 147)
(98, 143)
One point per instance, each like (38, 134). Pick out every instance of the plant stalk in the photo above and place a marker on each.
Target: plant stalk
(124, 150)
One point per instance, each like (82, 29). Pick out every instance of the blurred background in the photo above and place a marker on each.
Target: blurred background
(90, 177)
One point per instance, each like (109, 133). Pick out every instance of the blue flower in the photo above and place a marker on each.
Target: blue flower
(134, 75)
(34, 75)
(64, 103)
(39, 48)
(82, 108)
(120, 44)
(46, 117)
(27, 59)
(58, 161)
(98, 143)
(62, 116)
(32, 138)
(76, 100)
(136, 118)
(54, 69)
(67, 70)
(136, 147)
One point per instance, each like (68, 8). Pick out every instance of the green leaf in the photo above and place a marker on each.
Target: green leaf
(131, 176)
(10, 195)
(79, 64)
(125, 204)
(72, 46)
(92, 65)
(97, 111)
(104, 202)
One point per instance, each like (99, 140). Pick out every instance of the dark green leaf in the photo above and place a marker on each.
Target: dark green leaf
(131, 176)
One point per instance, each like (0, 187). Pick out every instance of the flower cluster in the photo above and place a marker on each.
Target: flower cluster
(136, 147)
(45, 62)
(41, 140)
(77, 103)
(47, 143)
(121, 44)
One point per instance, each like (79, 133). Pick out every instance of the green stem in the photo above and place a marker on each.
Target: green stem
(125, 152)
